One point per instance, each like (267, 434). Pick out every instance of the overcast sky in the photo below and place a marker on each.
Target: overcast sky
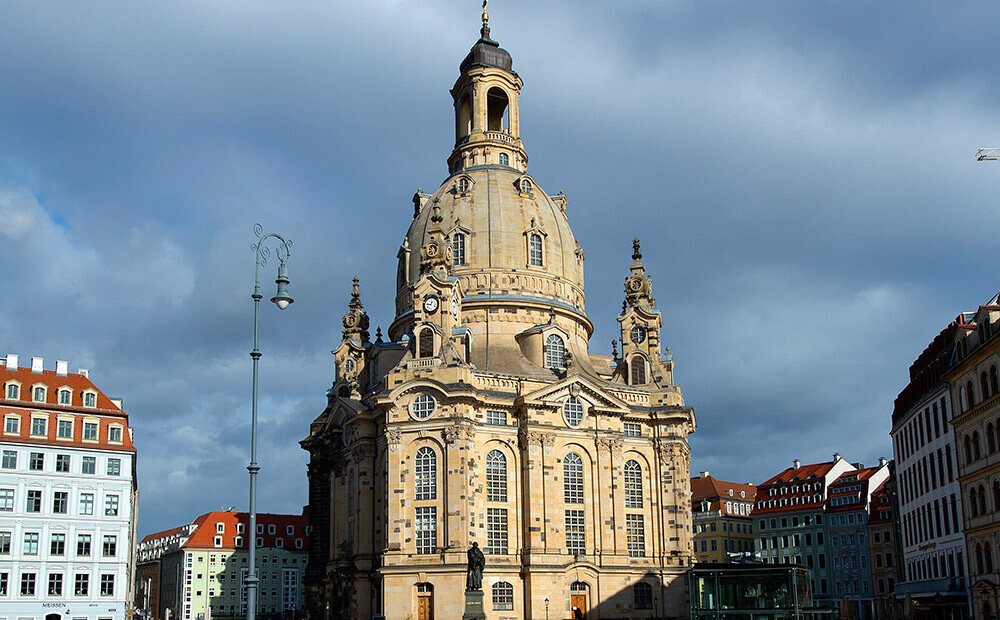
(802, 176)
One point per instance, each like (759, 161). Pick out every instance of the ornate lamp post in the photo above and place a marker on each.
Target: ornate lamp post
(546, 608)
(282, 300)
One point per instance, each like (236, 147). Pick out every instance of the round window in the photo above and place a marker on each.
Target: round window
(573, 411)
(638, 335)
(422, 406)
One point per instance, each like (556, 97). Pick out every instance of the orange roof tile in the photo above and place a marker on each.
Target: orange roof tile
(204, 536)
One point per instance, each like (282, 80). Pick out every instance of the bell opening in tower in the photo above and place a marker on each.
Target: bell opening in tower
(498, 118)
(464, 117)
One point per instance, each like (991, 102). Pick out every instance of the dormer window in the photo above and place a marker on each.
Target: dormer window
(65, 397)
(525, 186)
(458, 249)
(114, 434)
(555, 352)
(89, 399)
(13, 391)
(535, 250)
(38, 394)
(504, 159)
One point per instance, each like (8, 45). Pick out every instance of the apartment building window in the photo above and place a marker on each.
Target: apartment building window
(107, 585)
(110, 548)
(9, 459)
(111, 506)
(426, 529)
(114, 467)
(5, 538)
(88, 465)
(496, 531)
(39, 427)
(27, 584)
(83, 544)
(6, 500)
(34, 503)
(57, 544)
(496, 477)
(64, 429)
(81, 586)
(65, 397)
(90, 400)
(36, 461)
(86, 503)
(114, 434)
(55, 584)
(576, 541)
(60, 502)
(62, 463)
(31, 543)
(90, 431)
(635, 535)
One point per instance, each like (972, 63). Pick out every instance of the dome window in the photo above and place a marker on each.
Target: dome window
(535, 249)
(555, 352)
(458, 247)
(504, 159)
(525, 186)
(463, 185)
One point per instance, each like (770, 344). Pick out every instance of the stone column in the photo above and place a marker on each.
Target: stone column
(532, 491)
(395, 510)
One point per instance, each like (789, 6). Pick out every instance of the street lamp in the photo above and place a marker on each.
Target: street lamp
(546, 608)
(283, 250)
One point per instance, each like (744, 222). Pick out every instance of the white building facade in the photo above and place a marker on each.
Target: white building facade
(67, 497)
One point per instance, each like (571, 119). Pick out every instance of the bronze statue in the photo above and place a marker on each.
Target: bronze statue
(477, 562)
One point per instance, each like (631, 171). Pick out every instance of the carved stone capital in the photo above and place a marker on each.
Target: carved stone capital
(611, 444)
(452, 434)
(393, 436)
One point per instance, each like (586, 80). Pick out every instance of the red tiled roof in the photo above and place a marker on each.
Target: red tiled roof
(106, 411)
(803, 472)
(717, 493)
(204, 536)
(163, 534)
(816, 470)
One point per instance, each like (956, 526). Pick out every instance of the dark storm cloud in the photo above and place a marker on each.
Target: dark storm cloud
(801, 175)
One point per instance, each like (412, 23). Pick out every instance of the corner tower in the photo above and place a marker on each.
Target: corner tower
(485, 418)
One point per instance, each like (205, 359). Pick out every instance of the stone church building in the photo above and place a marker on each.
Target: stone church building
(482, 416)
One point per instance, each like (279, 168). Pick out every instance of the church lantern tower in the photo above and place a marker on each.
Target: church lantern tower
(484, 417)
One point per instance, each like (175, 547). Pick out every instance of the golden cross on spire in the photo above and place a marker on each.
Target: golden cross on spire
(486, 16)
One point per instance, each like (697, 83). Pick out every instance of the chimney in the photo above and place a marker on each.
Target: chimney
(796, 463)
(36, 364)
(704, 474)
(882, 462)
(836, 457)
(85, 372)
(859, 465)
(62, 368)
(12, 361)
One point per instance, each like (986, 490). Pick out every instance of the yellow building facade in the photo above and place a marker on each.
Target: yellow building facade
(484, 417)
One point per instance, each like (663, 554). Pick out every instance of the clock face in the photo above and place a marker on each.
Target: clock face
(431, 305)
(635, 284)
(638, 334)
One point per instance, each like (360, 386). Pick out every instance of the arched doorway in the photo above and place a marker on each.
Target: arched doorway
(425, 601)
(578, 600)
(53, 617)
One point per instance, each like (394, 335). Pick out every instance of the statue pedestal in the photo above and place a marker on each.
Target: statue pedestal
(474, 605)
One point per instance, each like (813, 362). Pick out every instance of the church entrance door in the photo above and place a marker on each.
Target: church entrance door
(578, 603)
(425, 607)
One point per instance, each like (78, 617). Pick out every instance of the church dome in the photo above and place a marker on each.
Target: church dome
(511, 242)
(487, 53)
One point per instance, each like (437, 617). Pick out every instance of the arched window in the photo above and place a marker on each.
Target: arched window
(463, 185)
(988, 557)
(458, 245)
(968, 450)
(990, 443)
(464, 117)
(642, 595)
(503, 596)
(425, 474)
(496, 110)
(573, 411)
(984, 385)
(979, 558)
(90, 400)
(555, 352)
(496, 476)
(535, 249)
(638, 370)
(526, 186)
(970, 395)
(976, 454)
(40, 393)
(425, 343)
(982, 500)
(994, 380)
(573, 479)
(504, 159)
(633, 484)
